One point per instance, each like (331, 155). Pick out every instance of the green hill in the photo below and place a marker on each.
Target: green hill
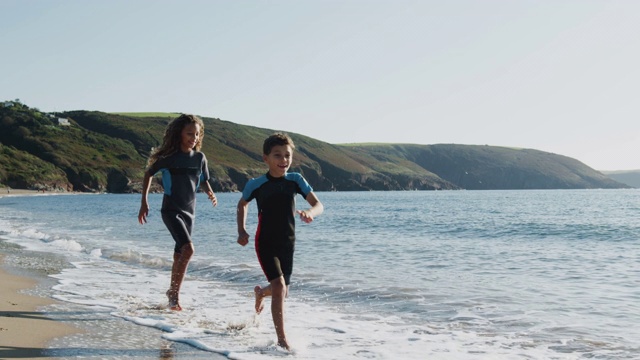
(100, 152)
(628, 177)
(477, 167)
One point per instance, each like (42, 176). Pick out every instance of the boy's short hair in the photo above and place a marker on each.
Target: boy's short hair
(277, 139)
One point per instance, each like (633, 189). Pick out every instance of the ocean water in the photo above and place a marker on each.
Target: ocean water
(380, 275)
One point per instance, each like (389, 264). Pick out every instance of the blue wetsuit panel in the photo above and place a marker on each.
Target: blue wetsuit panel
(275, 237)
(181, 177)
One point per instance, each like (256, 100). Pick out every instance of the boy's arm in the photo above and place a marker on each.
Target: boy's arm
(144, 204)
(243, 235)
(316, 208)
(207, 189)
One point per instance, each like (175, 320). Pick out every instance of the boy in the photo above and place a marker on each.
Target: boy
(275, 194)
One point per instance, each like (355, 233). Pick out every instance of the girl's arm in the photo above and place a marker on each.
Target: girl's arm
(207, 189)
(316, 208)
(144, 204)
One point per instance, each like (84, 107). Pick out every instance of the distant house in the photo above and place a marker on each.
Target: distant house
(7, 104)
(63, 122)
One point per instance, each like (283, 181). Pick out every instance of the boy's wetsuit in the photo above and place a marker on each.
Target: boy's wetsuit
(181, 176)
(275, 236)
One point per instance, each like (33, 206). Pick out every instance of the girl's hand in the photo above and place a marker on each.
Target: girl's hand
(143, 213)
(213, 198)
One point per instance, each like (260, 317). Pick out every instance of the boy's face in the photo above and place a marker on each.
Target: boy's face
(279, 160)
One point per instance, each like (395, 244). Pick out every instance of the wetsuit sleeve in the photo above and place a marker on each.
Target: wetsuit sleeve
(303, 186)
(204, 175)
(156, 166)
(247, 192)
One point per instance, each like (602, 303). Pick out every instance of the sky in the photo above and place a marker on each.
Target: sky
(557, 76)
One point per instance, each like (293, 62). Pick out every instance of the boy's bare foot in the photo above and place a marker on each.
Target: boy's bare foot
(174, 304)
(259, 299)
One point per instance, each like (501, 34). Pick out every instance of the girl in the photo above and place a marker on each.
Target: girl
(183, 168)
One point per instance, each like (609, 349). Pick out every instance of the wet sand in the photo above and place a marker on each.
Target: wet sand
(25, 331)
(30, 329)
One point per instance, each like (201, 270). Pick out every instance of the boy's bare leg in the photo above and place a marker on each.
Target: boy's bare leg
(261, 293)
(278, 291)
(178, 271)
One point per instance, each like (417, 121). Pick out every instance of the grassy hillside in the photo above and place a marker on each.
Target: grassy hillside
(481, 167)
(148, 114)
(91, 161)
(23, 170)
(107, 152)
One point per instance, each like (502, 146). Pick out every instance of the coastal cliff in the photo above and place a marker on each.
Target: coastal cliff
(92, 151)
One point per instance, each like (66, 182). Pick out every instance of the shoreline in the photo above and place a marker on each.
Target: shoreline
(4, 191)
(8, 192)
(35, 325)
(21, 314)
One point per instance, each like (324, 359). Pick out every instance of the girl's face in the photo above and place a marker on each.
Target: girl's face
(279, 160)
(189, 137)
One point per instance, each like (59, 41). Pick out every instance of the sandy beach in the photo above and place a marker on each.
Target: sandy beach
(4, 191)
(9, 192)
(24, 330)
(36, 326)
(30, 329)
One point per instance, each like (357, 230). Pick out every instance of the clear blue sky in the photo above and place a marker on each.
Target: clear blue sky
(557, 76)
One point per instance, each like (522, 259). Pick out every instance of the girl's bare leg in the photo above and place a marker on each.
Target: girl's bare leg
(178, 272)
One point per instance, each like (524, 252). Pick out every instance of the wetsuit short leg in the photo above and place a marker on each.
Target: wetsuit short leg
(180, 227)
(276, 261)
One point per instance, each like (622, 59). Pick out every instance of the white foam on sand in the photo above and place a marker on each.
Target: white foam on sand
(222, 320)
(125, 278)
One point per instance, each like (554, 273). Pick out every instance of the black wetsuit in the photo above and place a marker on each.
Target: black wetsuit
(275, 236)
(181, 176)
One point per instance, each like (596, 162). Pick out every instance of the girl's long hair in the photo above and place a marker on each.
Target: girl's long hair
(173, 137)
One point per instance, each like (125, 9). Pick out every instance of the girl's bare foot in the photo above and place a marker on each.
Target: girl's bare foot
(283, 344)
(259, 299)
(174, 304)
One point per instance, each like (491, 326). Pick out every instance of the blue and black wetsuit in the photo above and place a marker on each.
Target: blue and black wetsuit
(275, 236)
(181, 176)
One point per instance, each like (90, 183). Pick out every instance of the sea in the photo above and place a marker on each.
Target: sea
(524, 274)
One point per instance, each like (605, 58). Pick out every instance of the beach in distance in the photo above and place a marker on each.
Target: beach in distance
(528, 274)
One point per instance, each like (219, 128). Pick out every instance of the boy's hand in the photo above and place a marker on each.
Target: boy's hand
(305, 216)
(243, 238)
